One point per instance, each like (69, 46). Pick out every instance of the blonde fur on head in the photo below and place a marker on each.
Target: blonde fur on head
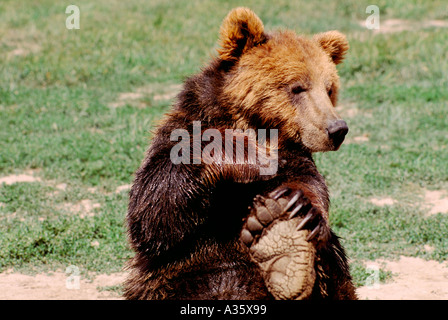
(334, 43)
(240, 31)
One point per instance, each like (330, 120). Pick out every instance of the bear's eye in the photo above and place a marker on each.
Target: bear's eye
(296, 89)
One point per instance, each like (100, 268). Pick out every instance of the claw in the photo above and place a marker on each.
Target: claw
(278, 193)
(305, 220)
(296, 209)
(296, 197)
(313, 233)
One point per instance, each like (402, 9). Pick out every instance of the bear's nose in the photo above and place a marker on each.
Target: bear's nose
(337, 131)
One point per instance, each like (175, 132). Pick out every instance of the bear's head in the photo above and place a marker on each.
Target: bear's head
(282, 80)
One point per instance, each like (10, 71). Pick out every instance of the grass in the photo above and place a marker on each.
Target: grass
(58, 88)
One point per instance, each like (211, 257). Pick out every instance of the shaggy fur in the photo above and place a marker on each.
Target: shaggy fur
(184, 221)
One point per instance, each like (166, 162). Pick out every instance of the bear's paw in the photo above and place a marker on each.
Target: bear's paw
(282, 232)
(287, 260)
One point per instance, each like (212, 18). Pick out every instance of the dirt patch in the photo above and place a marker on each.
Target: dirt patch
(59, 187)
(348, 109)
(436, 201)
(363, 138)
(29, 176)
(22, 50)
(130, 96)
(125, 187)
(351, 109)
(358, 139)
(59, 286)
(18, 178)
(157, 91)
(433, 201)
(84, 208)
(400, 25)
(396, 25)
(19, 43)
(414, 279)
(381, 202)
(349, 112)
(436, 23)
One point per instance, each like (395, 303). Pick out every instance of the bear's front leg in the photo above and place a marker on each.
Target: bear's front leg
(282, 232)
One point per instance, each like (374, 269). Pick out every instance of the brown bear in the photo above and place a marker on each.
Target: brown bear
(213, 225)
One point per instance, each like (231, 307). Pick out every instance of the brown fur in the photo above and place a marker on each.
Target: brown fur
(273, 69)
(184, 221)
(240, 31)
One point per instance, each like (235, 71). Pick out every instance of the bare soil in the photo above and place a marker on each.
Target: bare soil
(414, 279)
(399, 25)
(435, 201)
(58, 286)
(15, 178)
(157, 92)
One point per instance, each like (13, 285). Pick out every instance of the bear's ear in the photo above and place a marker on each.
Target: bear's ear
(334, 43)
(240, 31)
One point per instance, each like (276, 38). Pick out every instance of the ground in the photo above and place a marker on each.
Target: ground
(78, 107)
(52, 286)
(414, 279)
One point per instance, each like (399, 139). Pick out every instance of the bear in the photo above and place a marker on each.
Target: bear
(207, 222)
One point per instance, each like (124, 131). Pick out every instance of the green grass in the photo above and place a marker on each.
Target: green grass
(58, 89)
